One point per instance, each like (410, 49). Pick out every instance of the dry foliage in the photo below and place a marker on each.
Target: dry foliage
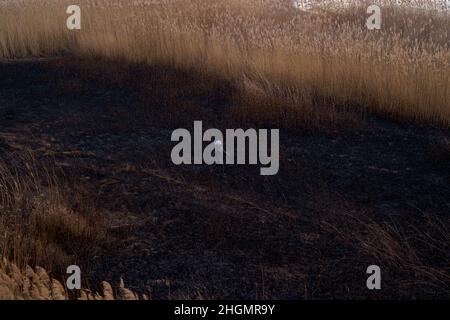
(305, 60)
(38, 223)
(415, 251)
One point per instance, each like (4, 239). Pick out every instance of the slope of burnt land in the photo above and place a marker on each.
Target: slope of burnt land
(342, 200)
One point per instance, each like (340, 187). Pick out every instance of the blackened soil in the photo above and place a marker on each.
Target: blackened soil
(342, 200)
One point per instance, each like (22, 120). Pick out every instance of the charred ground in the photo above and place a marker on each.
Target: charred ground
(346, 197)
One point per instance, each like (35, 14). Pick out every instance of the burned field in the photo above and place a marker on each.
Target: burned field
(375, 192)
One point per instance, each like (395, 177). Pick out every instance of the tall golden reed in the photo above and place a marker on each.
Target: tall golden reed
(322, 57)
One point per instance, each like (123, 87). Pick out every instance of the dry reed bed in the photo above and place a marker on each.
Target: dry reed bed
(322, 57)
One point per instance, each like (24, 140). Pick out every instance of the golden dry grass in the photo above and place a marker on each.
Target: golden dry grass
(323, 57)
(38, 222)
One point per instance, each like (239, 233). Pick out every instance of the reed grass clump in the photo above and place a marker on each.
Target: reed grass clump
(39, 222)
